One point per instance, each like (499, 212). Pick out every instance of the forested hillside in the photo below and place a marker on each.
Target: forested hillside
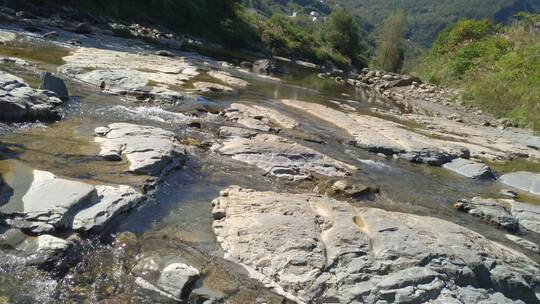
(497, 66)
(425, 17)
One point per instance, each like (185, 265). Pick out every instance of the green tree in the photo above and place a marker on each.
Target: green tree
(390, 46)
(342, 33)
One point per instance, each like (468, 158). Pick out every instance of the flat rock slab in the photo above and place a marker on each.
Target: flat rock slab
(228, 79)
(20, 102)
(52, 201)
(111, 201)
(526, 181)
(383, 136)
(52, 204)
(258, 117)
(469, 168)
(149, 150)
(524, 243)
(210, 87)
(527, 215)
(491, 210)
(278, 156)
(508, 213)
(316, 249)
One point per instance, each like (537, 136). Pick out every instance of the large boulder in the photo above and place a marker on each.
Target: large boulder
(470, 169)
(20, 102)
(316, 249)
(149, 150)
(210, 87)
(278, 156)
(526, 181)
(54, 84)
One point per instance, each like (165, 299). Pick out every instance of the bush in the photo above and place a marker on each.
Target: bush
(498, 67)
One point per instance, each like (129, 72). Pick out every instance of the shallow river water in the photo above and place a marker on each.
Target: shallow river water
(177, 221)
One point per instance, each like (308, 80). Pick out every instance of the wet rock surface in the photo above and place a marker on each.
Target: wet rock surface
(209, 87)
(526, 181)
(149, 150)
(54, 84)
(111, 201)
(228, 79)
(508, 213)
(469, 168)
(383, 136)
(278, 156)
(20, 102)
(316, 248)
(258, 117)
(52, 204)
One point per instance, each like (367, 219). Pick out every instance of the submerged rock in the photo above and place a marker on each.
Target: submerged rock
(258, 117)
(228, 79)
(54, 84)
(209, 87)
(149, 150)
(278, 156)
(469, 168)
(382, 136)
(316, 249)
(526, 181)
(20, 102)
(267, 67)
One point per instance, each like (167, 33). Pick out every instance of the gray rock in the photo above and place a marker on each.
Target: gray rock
(209, 87)
(165, 53)
(524, 243)
(491, 210)
(267, 67)
(110, 202)
(83, 28)
(44, 249)
(258, 117)
(280, 157)
(527, 215)
(50, 202)
(149, 150)
(383, 136)
(526, 181)
(168, 275)
(20, 102)
(228, 79)
(469, 168)
(315, 249)
(177, 279)
(54, 84)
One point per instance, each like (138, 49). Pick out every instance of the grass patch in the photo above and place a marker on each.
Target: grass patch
(515, 165)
